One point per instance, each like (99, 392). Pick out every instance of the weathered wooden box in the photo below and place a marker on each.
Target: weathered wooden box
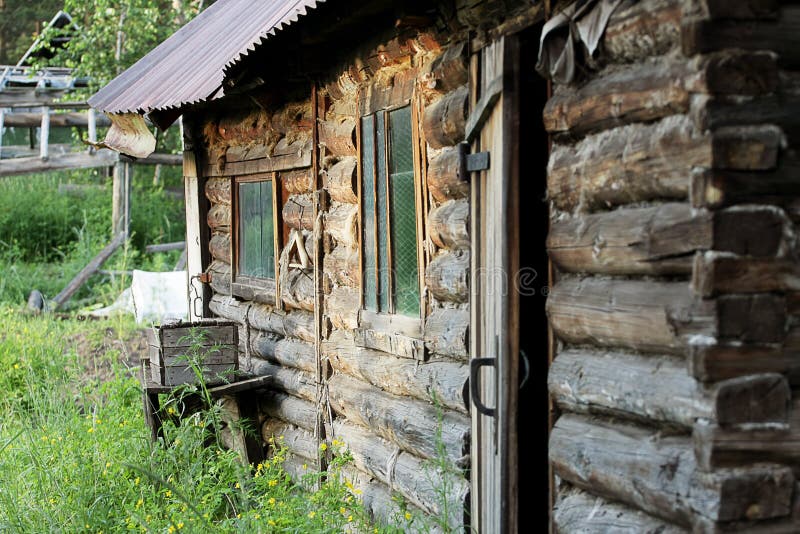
(210, 344)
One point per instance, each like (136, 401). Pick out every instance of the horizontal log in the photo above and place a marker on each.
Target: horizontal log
(300, 442)
(759, 318)
(661, 389)
(341, 223)
(218, 190)
(298, 212)
(284, 379)
(656, 88)
(165, 247)
(447, 276)
(445, 119)
(299, 412)
(297, 182)
(155, 159)
(297, 288)
(449, 70)
(714, 273)
(747, 148)
(283, 156)
(438, 492)
(286, 352)
(219, 218)
(652, 240)
(220, 277)
(628, 464)
(342, 266)
(57, 120)
(220, 247)
(445, 380)
(616, 312)
(718, 446)
(719, 188)
(77, 160)
(780, 35)
(758, 231)
(341, 180)
(576, 510)
(447, 332)
(297, 324)
(338, 137)
(443, 177)
(448, 225)
(341, 307)
(298, 468)
(627, 164)
(410, 424)
(751, 9)
(642, 29)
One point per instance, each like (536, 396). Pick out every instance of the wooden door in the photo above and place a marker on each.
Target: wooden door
(493, 127)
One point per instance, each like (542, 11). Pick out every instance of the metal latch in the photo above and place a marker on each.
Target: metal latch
(474, 384)
(468, 163)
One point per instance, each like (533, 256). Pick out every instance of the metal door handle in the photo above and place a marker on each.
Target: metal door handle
(474, 389)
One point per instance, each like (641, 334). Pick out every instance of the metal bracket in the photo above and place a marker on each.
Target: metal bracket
(468, 163)
(474, 384)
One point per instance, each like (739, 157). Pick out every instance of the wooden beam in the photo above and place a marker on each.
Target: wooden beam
(121, 198)
(57, 120)
(82, 160)
(165, 247)
(76, 283)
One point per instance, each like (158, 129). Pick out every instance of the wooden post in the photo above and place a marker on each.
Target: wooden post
(2, 120)
(92, 125)
(121, 195)
(197, 251)
(44, 135)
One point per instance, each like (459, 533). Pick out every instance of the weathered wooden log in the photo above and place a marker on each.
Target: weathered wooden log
(719, 188)
(298, 212)
(758, 231)
(418, 482)
(716, 272)
(444, 181)
(79, 279)
(297, 288)
(394, 334)
(19, 119)
(341, 180)
(408, 423)
(341, 223)
(283, 351)
(338, 137)
(299, 442)
(219, 218)
(627, 164)
(747, 148)
(342, 306)
(445, 119)
(642, 29)
(448, 224)
(759, 318)
(218, 190)
(727, 446)
(444, 380)
(298, 468)
(447, 332)
(449, 70)
(779, 35)
(288, 408)
(750, 10)
(710, 363)
(164, 247)
(653, 240)
(447, 276)
(57, 162)
(615, 313)
(220, 277)
(298, 324)
(578, 511)
(220, 247)
(297, 182)
(342, 266)
(291, 381)
(661, 388)
(628, 464)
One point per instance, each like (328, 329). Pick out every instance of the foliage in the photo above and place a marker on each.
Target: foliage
(75, 455)
(18, 24)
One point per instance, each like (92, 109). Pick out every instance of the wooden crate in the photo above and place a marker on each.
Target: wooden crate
(171, 352)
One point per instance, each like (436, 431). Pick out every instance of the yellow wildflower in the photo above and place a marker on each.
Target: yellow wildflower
(323, 446)
(136, 481)
(271, 500)
(343, 510)
(139, 503)
(237, 485)
(168, 493)
(180, 525)
(90, 430)
(350, 519)
(311, 514)
(171, 529)
(273, 483)
(271, 523)
(257, 516)
(16, 366)
(408, 515)
(305, 466)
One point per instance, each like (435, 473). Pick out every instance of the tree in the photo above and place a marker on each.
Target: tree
(20, 21)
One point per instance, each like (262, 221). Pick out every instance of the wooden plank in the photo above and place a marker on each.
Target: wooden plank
(165, 247)
(198, 254)
(285, 156)
(661, 388)
(57, 162)
(627, 463)
(580, 511)
(445, 380)
(408, 423)
(155, 159)
(616, 312)
(77, 282)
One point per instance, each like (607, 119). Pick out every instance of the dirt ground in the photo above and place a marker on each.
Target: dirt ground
(98, 355)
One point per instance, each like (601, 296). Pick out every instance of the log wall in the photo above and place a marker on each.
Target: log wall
(673, 233)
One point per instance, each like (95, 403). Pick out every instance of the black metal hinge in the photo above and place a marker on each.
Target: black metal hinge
(468, 163)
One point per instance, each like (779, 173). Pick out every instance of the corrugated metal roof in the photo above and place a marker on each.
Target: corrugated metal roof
(189, 66)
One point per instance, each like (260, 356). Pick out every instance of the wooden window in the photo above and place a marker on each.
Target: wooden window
(255, 239)
(391, 282)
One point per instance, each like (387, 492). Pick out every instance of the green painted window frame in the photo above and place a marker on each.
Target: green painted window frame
(384, 267)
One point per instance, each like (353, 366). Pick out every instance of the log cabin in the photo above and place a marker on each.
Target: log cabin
(567, 300)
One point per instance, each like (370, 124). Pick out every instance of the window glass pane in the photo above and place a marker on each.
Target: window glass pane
(380, 208)
(368, 210)
(256, 245)
(403, 215)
